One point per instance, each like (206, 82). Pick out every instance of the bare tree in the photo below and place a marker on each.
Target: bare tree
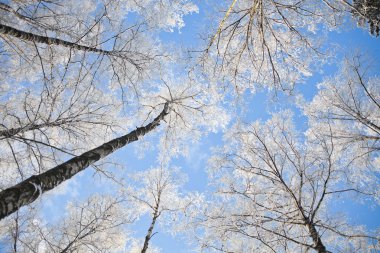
(158, 193)
(96, 225)
(275, 189)
(16, 228)
(54, 37)
(53, 17)
(43, 126)
(27, 191)
(349, 103)
(268, 43)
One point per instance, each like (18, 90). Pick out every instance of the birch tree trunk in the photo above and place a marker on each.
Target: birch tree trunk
(151, 227)
(10, 31)
(318, 245)
(29, 190)
(150, 231)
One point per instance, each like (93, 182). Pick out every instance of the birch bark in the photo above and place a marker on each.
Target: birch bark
(29, 190)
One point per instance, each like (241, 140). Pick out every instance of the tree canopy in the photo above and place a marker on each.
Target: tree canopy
(226, 126)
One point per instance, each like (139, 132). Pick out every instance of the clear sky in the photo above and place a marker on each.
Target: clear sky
(196, 163)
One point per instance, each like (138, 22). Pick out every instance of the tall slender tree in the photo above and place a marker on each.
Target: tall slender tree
(159, 193)
(275, 191)
(29, 190)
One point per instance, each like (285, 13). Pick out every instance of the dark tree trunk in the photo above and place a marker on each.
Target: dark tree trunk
(149, 234)
(27, 191)
(318, 245)
(151, 227)
(7, 30)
